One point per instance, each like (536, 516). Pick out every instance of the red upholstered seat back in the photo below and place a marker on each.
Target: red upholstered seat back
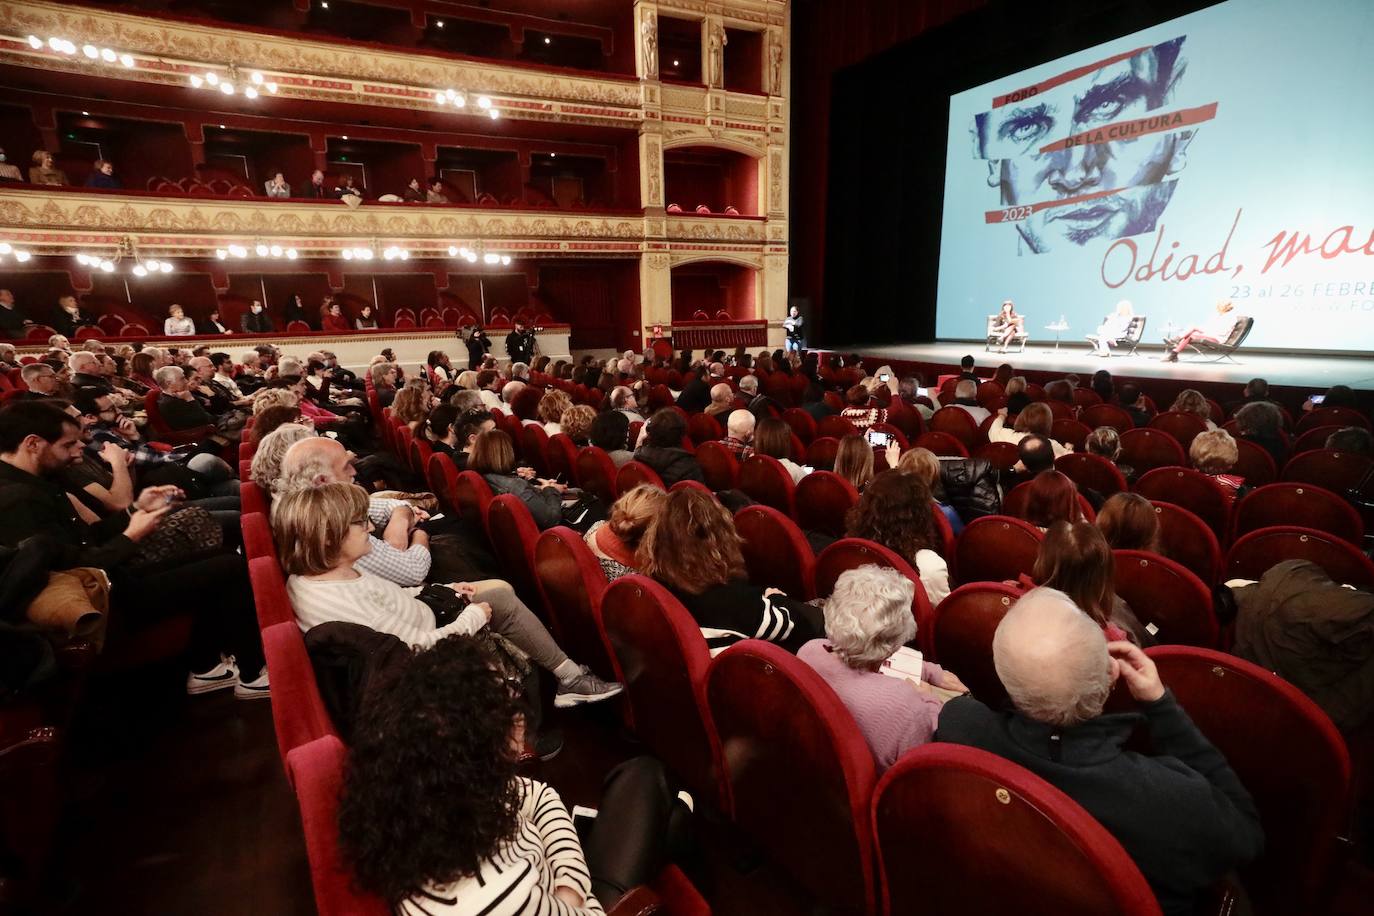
(1170, 602)
(473, 495)
(298, 712)
(573, 583)
(316, 769)
(1313, 438)
(513, 535)
(702, 427)
(1194, 491)
(1186, 539)
(1254, 464)
(802, 423)
(822, 499)
(534, 446)
(1070, 433)
(765, 480)
(1052, 857)
(1299, 504)
(1336, 471)
(786, 737)
(663, 659)
(1147, 449)
(1184, 427)
(634, 473)
(596, 473)
(941, 444)
(562, 455)
(269, 592)
(251, 497)
(776, 553)
(257, 536)
(836, 427)
(1001, 455)
(964, 625)
(1016, 501)
(1332, 416)
(1106, 415)
(718, 465)
(1257, 551)
(996, 548)
(820, 454)
(1290, 758)
(956, 422)
(442, 476)
(1092, 472)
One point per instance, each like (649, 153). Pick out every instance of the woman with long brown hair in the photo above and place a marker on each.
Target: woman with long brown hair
(773, 437)
(1076, 559)
(1129, 522)
(895, 511)
(854, 461)
(1053, 498)
(693, 548)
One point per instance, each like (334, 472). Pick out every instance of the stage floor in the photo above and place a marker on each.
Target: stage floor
(1300, 370)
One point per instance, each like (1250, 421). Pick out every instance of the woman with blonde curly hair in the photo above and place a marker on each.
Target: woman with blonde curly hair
(551, 408)
(274, 397)
(896, 511)
(411, 407)
(692, 548)
(1192, 401)
(577, 424)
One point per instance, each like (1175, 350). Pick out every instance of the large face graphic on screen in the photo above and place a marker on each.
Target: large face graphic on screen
(1093, 153)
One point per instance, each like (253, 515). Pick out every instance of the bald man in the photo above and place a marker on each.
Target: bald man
(721, 397)
(739, 433)
(1181, 814)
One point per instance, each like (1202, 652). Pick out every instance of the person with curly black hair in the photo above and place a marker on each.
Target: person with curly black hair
(434, 819)
(895, 510)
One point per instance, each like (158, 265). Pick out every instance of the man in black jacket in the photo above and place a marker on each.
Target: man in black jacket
(256, 320)
(1181, 814)
(662, 449)
(696, 394)
(12, 322)
(519, 345)
(478, 344)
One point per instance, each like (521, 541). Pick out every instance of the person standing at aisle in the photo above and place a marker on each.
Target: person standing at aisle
(478, 344)
(520, 344)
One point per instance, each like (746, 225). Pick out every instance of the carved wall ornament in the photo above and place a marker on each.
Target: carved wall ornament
(648, 33)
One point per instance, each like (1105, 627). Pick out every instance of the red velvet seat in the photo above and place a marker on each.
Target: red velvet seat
(1334, 470)
(1184, 427)
(1070, 433)
(765, 480)
(1147, 449)
(1173, 604)
(803, 425)
(1007, 841)
(534, 446)
(822, 499)
(1194, 491)
(964, 625)
(941, 444)
(1332, 416)
(634, 473)
(1001, 455)
(897, 435)
(420, 452)
(776, 553)
(513, 535)
(836, 427)
(1298, 504)
(691, 485)
(718, 465)
(573, 583)
(956, 422)
(1257, 551)
(1086, 397)
(162, 432)
(1254, 464)
(473, 495)
(1059, 410)
(562, 456)
(1188, 541)
(596, 473)
(442, 477)
(997, 548)
(251, 498)
(1291, 759)
(269, 592)
(298, 711)
(851, 553)
(662, 659)
(820, 454)
(1015, 502)
(257, 536)
(785, 737)
(402, 437)
(702, 427)
(1092, 472)
(1313, 438)
(1111, 415)
(316, 769)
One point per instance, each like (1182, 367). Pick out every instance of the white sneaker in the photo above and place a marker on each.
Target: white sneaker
(221, 677)
(257, 689)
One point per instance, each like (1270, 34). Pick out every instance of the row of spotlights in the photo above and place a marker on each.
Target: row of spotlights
(150, 267)
(458, 100)
(358, 254)
(467, 254)
(19, 255)
(261, 249)
(64, 46)
(392, 254)
(212, 80)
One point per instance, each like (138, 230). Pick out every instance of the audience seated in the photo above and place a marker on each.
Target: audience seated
(858, 411)
(739, 433)
(551, 408)
(493, 456)
(854, 460)
(1193, 402)
(1129, 522)
(1182, 815)
(1035, 455)
(662, 449)
(610, 432)
(1035, 419)
(1077, 560)
(1354, 439)
(434, 819)
(615, 541)
(322, 532)
(895, 511)
(1214, 453)
(773, 437)
(692, 548)
(867, 620)
(1261, 422)
(966, 398)
(1105, 442)
(923, 463)
(1052, 498)
(1131, 400)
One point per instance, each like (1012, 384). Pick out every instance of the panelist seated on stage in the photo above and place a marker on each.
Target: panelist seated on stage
(1008, 325)
(1216, 329)
(1113, 328)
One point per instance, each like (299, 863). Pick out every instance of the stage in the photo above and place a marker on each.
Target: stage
(1306, 371)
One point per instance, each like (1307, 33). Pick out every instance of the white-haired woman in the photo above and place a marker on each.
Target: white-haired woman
(266, 468)
(1112, 329)
(867, 619)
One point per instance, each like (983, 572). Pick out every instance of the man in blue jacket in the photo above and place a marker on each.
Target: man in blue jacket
(1180, 813)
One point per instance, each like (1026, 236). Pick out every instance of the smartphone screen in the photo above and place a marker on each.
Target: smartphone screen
(1318, 398)
(879, 439)
(884, 377)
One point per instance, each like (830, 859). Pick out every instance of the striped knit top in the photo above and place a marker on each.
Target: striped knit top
(520, 880)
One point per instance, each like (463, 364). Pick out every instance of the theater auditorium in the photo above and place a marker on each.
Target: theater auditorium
(751, 457)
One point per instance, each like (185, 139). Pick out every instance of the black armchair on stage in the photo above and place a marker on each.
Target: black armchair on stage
(997, 331)
(1131, 339)
(1219, 349)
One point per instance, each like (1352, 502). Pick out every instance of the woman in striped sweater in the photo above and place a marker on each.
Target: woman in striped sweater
(435, 820)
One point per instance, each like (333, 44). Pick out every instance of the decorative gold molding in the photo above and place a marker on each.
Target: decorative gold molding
(707, 228)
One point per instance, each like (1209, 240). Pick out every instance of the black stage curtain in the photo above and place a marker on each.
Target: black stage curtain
(888, 123)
